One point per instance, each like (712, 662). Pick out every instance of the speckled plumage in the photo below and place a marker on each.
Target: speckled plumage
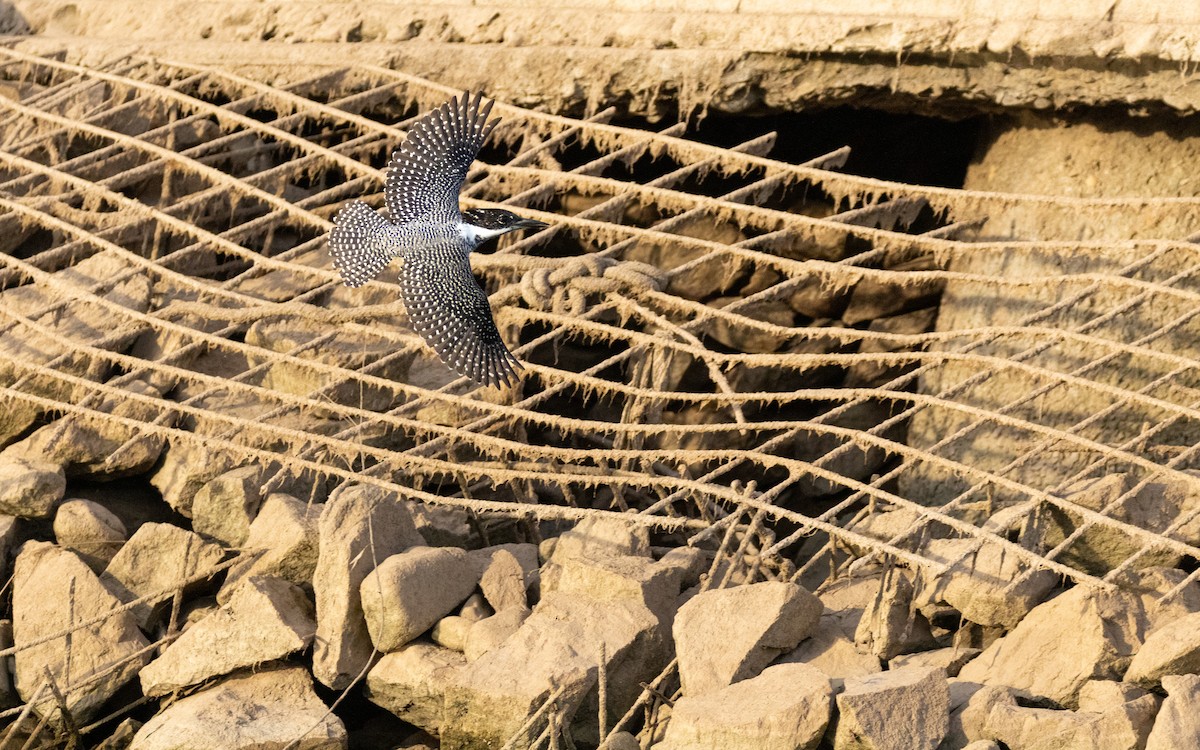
(434, 240)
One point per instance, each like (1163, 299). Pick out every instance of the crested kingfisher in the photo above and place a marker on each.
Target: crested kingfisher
(434, 240)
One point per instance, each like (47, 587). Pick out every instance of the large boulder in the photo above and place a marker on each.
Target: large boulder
(272, 708)
(360, 527)
(53, 590)
(726, 635)
(266, 619)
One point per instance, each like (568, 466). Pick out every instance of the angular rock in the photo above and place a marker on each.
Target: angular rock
(156, 558)
(890, 624)
(950, 660)
(1044, 658)
(1153, 507)
(503, 582)
(266, 619)
(1178, 722)
(411, 591)
(829, 650)
(284, 534)
(490, 698)
(594, 538)
(599, 536)
(978, 584)
(490, 632)
(360, 527)
(88, 446)
(1171, 650)
(1110, 715)
(629, 577)
(787, 707)
(902, 709)
(726, 635)
(89, 530)
(52, 589)
(224, 508)
(442, 526)
(848, 597)
(689, 561)
(187, 466)
(411, 683)
(121, 736)
(268, 709)
(30, 488)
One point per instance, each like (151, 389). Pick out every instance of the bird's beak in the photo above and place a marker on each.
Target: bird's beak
(530, 224)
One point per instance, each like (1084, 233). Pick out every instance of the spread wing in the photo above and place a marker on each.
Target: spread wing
(446, 306)
(426, 174)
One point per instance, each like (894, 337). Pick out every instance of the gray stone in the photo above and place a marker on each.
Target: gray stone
(412, 590)
(1178, 722)
(360, 527)
(903, 709)
(52, 590)
(283, 537)
(1043, 656)
(224, 507)
(726, 635)
(89, 530)
(269, 709)
(490, 632)
(266, 619)
(157, 558)
(30, 488)
(411, 683)
(787, 707)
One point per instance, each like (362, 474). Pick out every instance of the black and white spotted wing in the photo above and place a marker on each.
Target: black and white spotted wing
(448, 309)
(426, 174)
(358, 243)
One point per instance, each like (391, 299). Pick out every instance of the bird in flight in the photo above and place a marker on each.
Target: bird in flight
(434, 240)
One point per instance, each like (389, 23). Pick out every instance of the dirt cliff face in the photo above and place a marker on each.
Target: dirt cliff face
(656, 58)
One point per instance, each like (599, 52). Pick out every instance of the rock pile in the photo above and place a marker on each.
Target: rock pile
(241, 626)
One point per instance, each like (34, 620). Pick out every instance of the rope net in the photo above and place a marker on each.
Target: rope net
(713, 339)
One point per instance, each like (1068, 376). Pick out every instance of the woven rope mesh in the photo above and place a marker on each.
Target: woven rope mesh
(703, 329)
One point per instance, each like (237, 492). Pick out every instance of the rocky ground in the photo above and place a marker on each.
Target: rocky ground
(264, 622)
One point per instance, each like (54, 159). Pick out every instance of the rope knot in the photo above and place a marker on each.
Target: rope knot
(565, 287)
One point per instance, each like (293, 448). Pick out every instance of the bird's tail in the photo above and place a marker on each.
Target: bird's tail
(357, 244)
